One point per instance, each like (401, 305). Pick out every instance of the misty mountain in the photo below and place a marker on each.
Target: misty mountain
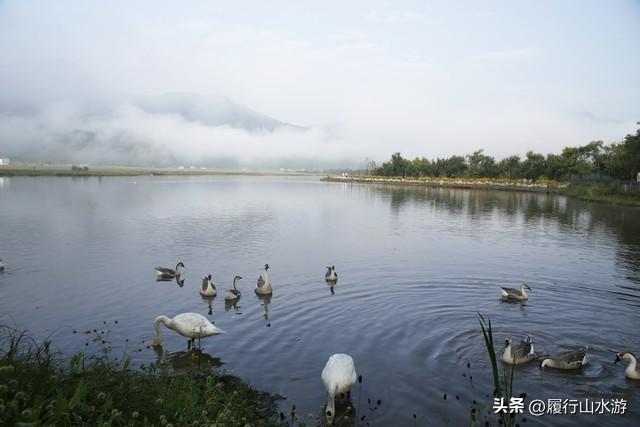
(161, 130)
(211, 110)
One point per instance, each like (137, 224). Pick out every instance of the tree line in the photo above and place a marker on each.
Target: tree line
(620, 160)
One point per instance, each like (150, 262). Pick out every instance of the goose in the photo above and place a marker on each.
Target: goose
(264, 286)
(573, 359)
(170, 273)
(233, 294)
(511, 293)
(190, 325)
(632, 371)
(338, 376)
(517, 355)
(331, 275)
(208, 288)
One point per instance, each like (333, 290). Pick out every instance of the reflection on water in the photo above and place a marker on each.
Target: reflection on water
(233, 305)
(177, 279)
(416, 266)
(266, 300)
(208, 300)
(187, 360)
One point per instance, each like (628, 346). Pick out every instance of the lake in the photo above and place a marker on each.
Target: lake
(415, 265)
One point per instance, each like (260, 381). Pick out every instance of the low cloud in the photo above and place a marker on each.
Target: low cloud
(128, 135)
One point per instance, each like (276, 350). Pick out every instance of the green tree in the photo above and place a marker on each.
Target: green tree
(481, 165)
(510, 167)
(534, 165)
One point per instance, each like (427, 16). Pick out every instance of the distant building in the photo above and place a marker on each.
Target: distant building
(5, 162)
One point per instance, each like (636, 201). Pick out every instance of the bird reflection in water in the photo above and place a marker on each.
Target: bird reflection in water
(332, 288)
(187, 360)
(521, 304)
(179, 282)
(266, 300)
(209, 300)
(233, 304)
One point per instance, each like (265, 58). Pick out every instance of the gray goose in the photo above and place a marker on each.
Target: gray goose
(573, 359)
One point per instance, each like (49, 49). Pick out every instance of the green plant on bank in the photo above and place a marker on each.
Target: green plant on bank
(38, 388)
(504, 388)
(602, 193)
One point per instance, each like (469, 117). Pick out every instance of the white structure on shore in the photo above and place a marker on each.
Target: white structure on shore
(4, 161)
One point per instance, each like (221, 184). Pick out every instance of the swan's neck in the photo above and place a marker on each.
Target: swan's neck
(266, 277)
(156, 324)
(507, 353)
(524, 292)
(331, 404)
(235, 279)
(178, 269)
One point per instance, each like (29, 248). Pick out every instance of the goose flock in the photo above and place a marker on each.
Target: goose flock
(339, 374)
(576, 358)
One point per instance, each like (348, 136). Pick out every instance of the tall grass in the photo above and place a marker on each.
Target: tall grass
(503, 389)
(38, 387)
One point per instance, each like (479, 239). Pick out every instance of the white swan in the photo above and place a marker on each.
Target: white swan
(519, 354)
(208, 288)
(517, 294)
(170, 273)
(632, 371)
(264, 286)
(338, 376)
(331, 275)
(233, 294)
(190, 325)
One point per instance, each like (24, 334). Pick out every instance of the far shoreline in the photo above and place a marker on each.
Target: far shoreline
(590, 192)
(458, 183)
(28, 170)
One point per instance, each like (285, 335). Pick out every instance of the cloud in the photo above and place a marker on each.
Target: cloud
(366, 84)
(503, 55)
(394, 16)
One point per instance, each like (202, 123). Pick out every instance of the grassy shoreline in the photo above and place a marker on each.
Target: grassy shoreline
(100, 171)
(464, 183)
(597, 193)
(39, 387)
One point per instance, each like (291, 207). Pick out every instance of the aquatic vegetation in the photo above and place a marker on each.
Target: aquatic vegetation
(503, 389)
(39, 387)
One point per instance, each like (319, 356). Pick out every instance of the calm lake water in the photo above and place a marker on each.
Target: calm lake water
(415, 266)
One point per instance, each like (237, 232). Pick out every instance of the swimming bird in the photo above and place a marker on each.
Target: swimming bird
(632, 371)
(233, 294)
(170, 273)
(517, 294)
(190, 325)
(208, 288)
(331, 275)
(338, 376)
(573, 359)
(519, 354)
(263, 287)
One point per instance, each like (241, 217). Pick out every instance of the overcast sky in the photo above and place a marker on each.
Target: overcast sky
(369, 77)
